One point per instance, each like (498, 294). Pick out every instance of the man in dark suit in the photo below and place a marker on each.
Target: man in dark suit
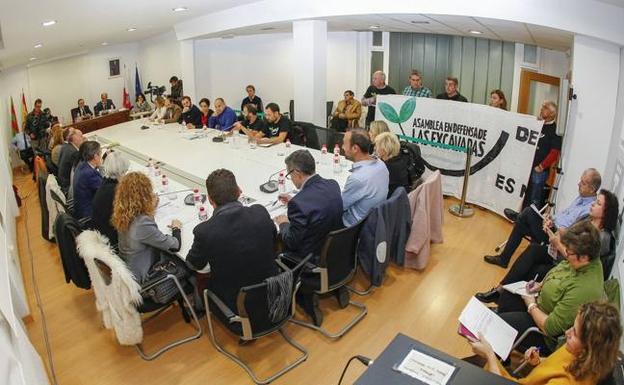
(81, 112)
(103, 105)
(87, 179)
(69, 153)
(236, 244)
(312, 214)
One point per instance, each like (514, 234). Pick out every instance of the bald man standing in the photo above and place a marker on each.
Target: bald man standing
(378, 87)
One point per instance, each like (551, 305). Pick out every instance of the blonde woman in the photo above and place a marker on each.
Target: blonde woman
(140, 241)
(588, 356)
(388, 149)
(56, 142)
(160, 110)
(377, 127)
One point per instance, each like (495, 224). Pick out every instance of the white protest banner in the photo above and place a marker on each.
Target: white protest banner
(502, 145)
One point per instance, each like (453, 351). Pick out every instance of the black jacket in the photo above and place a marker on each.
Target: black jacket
(399, 177)
(238, 242)
(103, 210)
(69, 153)
(312, 213)
(75, 112)
(66, 229)
(193, 116)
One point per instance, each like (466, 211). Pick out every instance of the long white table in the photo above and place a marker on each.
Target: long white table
(189, 156)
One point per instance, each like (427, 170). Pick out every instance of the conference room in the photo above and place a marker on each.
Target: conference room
(362, 192)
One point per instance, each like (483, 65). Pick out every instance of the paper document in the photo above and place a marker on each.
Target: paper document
(477, 318)
(519, 288)
(426, 369)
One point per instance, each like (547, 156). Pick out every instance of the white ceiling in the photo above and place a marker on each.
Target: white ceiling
(82, 26)
(438, 24)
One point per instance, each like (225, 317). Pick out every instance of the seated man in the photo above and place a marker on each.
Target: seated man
(103, 105)
(236, 244)
(223, 118)
(251, 125)
(347, 114)
(81, 112)
(69, 152)
(367, 186)
(191, 115)
(530, 224)
(313, 212)
(173, 111)
(277, 126)
(252, 98)
(87, 179)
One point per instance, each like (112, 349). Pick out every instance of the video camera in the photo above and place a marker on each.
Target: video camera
(154, 91)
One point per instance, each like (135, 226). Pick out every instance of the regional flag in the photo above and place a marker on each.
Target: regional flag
(14, 125)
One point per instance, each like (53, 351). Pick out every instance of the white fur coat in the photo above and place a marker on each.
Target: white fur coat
(118, 300)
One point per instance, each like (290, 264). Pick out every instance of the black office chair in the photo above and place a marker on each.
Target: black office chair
(337, 266)
(291, 109)
(309, 132)
(253, 319)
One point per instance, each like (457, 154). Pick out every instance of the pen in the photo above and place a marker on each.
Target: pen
(532, 282)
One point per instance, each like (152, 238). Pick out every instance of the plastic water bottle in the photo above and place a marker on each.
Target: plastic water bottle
(337, 166)
(324, 154)
(336, 149)
(157, 173)
(164, 184)
(196, 197)
(150, 167)
(202, 214)
(281, 183)
(287, 143)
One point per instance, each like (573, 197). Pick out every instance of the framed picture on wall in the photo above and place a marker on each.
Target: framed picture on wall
(114, 69)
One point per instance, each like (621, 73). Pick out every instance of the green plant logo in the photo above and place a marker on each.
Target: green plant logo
(407, 109)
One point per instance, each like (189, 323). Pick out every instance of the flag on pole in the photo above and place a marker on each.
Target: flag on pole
(137, 81)
(126, 97)
(24, 110)
(14, 125)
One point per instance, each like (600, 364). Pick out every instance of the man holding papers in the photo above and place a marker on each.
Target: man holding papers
(573, 282)
(529, 223)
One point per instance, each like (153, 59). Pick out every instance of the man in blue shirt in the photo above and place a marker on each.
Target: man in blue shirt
(223, 118)
(367, 186)
(530, 224)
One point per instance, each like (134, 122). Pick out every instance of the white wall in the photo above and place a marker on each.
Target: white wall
(159, 59)
(595, 75)
(223, 67)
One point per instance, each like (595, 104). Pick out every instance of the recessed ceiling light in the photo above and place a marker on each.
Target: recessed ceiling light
(32, 58)
(38, 45)
(131, 29)
(180, 9)
(48, 23)
(376, 26)
(475, 32)
(104, 43)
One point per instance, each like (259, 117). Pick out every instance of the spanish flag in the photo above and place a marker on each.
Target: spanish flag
(14, 125)
(24, 110)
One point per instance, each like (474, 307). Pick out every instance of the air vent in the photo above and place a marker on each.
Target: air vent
(267, 28)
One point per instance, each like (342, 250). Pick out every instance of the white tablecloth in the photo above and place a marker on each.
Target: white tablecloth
(189, 156)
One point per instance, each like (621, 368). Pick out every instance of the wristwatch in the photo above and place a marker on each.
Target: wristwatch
(531, 306)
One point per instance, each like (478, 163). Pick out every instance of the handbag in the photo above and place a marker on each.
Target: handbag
(165, 291)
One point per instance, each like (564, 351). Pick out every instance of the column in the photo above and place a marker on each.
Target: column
(310, 71)
(187, 66)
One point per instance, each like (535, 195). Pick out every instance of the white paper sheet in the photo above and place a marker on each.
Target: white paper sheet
(518, 288)
(426, 369)
(477, 318)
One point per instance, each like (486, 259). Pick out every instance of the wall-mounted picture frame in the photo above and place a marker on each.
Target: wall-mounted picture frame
(114, 67)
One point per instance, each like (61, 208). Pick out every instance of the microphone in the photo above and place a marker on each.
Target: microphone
(271, 185)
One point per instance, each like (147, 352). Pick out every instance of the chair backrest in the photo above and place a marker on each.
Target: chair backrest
(291, 109)
(252, 304)
(59, 200)
(329, 108)
(310, 132)
(608, 259)
(338, 254)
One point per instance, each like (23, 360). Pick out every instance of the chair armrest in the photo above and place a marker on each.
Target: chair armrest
(295, 262)
(222, 306)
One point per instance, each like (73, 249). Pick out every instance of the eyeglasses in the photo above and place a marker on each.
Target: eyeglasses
(287, 176)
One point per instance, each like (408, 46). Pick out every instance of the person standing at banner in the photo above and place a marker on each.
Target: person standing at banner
(546, 154)
(451, 92)
(36, 125)
(415, 87)
(378, 87)
(498, 100)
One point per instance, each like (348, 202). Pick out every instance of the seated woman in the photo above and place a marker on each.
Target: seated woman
(161, 110)
(141, 105)
(56, 142)
(589, 355)
(114, 167)
(377, 127)
(206, 112)
(388, 149)
(575, 281)
(536, 260)
(140, 241)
